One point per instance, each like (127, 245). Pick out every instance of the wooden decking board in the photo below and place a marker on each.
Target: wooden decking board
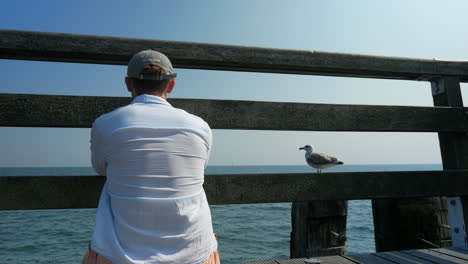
(402, 258)
(461, 249)
(350, 259)
(435, 256)
(422, 256)
(262, 262)
(369, 259)
(457, 253)
(323, 260)
(291, 261)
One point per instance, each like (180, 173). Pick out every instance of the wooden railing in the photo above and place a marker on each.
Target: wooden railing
(113, 50)
(60, 192)
(449, 118)
(80, 111)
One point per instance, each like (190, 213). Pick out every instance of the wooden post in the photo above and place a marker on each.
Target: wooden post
(400, 224)
(318, 228)
(454, 151)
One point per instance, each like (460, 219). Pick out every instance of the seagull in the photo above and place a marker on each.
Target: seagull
(318, 160)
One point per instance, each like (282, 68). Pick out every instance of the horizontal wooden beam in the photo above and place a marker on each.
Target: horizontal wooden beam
(54, 192)
(28, 45)
(80, 111)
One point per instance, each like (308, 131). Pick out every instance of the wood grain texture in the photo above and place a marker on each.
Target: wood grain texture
(323, 260)
(368, 259)
(55, 192)
(63, 47)
(27, 110)
(424, 256)
(262, 262)
(311, 226)
(453, 145)
(435, 257)
(399, 223)
(451, 252)
(402, 258)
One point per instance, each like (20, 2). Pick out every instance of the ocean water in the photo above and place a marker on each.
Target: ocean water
(246, 232)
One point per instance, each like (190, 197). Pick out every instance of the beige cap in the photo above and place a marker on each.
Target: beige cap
(150, 57)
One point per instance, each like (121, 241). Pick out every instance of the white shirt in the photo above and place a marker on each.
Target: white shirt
(153, 208)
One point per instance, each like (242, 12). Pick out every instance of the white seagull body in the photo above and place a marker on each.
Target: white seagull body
(319, 161)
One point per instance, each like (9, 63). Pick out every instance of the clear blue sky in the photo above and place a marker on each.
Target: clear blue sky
(417, 28)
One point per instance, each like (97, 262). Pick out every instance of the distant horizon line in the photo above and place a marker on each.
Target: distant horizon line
(240, 165)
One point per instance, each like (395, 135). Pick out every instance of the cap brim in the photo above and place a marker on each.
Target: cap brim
(156, 76)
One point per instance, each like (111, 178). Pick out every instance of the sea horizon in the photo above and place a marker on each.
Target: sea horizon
(243, 165)
(224, 169)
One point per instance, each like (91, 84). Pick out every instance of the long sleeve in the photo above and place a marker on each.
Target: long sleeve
(210, 145)
(97, 157)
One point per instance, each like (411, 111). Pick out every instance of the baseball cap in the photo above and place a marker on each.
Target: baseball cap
(143, 58)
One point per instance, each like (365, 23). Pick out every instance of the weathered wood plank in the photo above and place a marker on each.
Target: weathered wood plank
(452, 252)
(50, 192)
(318, 228)
(117, 50)
(435, 256)
(262, 262)
(323, 260)
(401, 223)
(425, 256)
(453, 146)
(368, 259)
(402, 258)
(461, 249)
(44, 192)
(386, 235)
(80, 111)
(453, 149)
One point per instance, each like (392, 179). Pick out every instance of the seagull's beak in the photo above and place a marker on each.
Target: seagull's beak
(301, 148)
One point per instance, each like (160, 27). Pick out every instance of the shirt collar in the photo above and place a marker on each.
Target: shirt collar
(150, 99)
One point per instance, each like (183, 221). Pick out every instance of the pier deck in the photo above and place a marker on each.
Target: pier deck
(422, 256)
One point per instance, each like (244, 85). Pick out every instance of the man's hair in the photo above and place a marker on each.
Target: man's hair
(150, 86)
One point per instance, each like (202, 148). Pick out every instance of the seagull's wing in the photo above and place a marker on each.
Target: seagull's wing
(333, 159)
(319, 158)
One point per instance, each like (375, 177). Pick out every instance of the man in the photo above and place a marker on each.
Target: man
(153, 208)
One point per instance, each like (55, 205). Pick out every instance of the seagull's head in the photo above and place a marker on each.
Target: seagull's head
(307, 148)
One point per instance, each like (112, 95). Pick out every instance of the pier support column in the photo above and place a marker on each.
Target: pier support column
(401, 224)
(318, 228)
(454, 151)
(427, 217)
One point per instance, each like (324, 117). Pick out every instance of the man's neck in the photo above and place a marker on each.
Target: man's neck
(163, 95)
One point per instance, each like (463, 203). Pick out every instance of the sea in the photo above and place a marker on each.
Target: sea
(246, 232)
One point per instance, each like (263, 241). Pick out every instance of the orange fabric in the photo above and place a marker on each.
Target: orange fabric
(92, 257)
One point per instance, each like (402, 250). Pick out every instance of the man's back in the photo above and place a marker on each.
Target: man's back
(154, 157)
(161, 147)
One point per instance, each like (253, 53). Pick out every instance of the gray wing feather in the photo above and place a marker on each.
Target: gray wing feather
(319, 158)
